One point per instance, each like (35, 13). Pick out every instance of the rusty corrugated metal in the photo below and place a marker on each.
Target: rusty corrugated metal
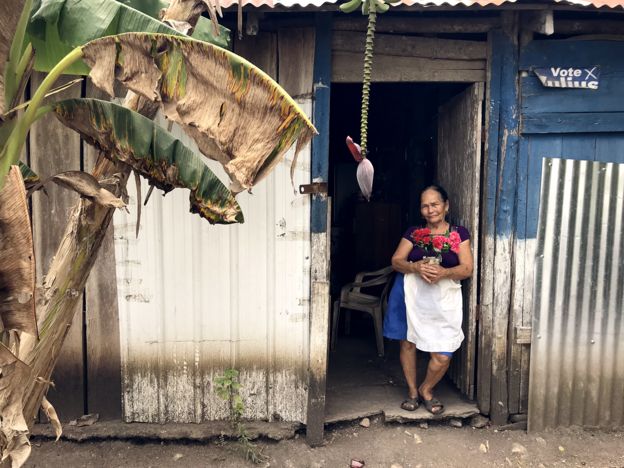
(577, 345)
(196, 299)
(421, 3)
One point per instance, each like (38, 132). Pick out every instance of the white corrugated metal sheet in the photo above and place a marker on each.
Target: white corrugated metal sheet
(577, 345)
(196, 299)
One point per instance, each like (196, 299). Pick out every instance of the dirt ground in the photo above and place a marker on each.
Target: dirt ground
(380, 445)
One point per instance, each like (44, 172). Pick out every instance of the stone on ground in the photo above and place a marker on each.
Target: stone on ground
(478, 421)
(519, 449)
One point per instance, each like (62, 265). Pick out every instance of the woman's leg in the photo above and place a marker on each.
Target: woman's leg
(438, 365)
(408, 363)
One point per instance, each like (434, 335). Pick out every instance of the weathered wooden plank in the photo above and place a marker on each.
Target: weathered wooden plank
(296, 60)
(583, 54)
(347, 68)
(53, 149)
(319, 329)
(102, 317)
(572, 122)
(519, 285)
(261, 50)
(575, 53)
(504, 220)
(538, 99)
(488, 205)
(522, 335)
(459, 132)
(411, 46)
(420, 25)
(589, 26)
(320, 225)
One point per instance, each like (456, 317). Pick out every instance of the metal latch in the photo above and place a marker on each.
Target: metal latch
(314, 188)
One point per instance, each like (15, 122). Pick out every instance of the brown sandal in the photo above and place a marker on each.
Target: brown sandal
(410, 404)
(430, 406)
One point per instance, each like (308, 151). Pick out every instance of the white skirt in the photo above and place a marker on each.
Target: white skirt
(434, 314)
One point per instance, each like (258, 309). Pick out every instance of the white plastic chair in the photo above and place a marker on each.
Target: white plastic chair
(352, 298)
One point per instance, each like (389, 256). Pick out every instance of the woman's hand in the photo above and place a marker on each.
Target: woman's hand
(415, 266)
(432, 273)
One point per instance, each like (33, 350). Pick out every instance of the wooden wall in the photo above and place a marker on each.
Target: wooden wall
(87, 375)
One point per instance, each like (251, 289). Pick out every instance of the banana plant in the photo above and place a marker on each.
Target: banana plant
(189, 75)
(365, 171)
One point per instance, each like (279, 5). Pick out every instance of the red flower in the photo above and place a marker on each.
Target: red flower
(455, 241)
(438, 243)
(420, 236)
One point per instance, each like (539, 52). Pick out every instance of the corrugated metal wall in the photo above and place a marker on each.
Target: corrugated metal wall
(577, 351)
(196, 299)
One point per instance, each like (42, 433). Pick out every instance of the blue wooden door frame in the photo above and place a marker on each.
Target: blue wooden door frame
(319, 310)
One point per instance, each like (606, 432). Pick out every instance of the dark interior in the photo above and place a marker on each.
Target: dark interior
(402, 136)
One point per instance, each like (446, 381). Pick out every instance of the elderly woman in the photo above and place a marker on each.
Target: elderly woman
(425, 304)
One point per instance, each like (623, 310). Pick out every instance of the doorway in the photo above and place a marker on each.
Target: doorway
(419, 133)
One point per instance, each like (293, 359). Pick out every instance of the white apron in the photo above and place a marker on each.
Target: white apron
(434, 313)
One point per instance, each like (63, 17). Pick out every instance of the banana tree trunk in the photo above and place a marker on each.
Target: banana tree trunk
(64, 283)
(69, 272)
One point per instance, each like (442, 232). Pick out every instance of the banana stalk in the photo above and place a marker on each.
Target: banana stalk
(368, 69)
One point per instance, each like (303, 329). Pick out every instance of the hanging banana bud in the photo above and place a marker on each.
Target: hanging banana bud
(355, 149)
(364, 175)
(365, 170)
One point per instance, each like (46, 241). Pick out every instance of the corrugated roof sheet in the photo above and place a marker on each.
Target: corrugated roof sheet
(424, 3)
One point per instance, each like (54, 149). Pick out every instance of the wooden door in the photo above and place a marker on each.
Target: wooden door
(458, 169)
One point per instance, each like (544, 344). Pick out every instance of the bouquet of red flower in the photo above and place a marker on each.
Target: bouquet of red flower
(438, 243)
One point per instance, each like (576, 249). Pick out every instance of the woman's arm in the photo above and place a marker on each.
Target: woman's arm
(434, 273)
(399, 258)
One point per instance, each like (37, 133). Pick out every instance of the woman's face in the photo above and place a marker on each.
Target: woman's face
(432, 208)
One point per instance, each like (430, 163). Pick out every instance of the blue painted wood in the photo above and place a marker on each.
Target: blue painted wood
(607, 98)
(590, 147)
(571, 53)
(320, 144)
(508, 137)
(573, 122)
(578, 147)
(493, 103)
(610, 148)
(539, 147)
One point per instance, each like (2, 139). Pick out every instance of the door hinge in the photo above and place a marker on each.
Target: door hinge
(313, 189)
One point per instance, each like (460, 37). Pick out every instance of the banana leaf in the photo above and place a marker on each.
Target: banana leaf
(29, 176)
(58, 26)
(16, 375)
(17, 259)
(235, 112)
(10, 53)
(152, 152)
(203, 31)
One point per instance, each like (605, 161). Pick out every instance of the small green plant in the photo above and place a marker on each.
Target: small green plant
(228, 388)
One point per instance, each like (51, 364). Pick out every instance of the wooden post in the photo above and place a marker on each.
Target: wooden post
(319, 310)
(499, 201)
(502, 196)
